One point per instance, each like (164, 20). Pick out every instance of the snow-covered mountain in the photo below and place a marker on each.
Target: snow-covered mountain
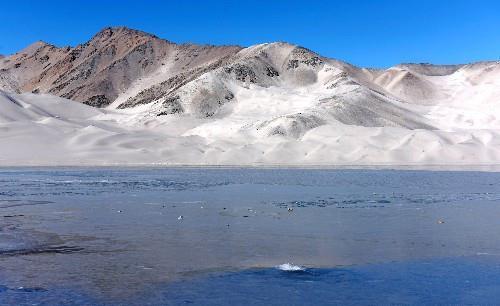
(274, 103)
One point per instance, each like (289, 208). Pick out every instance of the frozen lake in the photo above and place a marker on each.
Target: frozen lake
(80, 236)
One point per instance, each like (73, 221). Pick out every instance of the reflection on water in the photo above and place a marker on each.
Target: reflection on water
(90, 236)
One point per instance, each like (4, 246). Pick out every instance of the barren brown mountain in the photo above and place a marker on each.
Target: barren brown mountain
(97, 71)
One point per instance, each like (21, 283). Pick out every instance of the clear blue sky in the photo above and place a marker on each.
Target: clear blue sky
(366, 33)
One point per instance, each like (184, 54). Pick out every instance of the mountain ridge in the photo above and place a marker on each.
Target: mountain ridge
(94, 72)
(275, 103)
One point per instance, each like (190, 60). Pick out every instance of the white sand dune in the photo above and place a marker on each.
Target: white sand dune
(269, 104)
(47, 130)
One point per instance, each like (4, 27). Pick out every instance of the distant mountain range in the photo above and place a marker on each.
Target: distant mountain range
(268, 91)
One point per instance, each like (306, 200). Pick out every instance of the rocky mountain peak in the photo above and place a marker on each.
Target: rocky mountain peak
(37, 45)
(121, 32)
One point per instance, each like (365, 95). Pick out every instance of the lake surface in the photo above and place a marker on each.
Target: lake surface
(129, 236)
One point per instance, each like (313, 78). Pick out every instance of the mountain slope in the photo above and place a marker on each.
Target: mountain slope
(275, 103)
(97, 71)
(47, 130)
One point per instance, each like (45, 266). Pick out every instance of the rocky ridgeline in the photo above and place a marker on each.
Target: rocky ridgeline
(98, 71)
(124, 68)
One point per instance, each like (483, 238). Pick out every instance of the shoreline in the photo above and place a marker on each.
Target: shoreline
(374, 167)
